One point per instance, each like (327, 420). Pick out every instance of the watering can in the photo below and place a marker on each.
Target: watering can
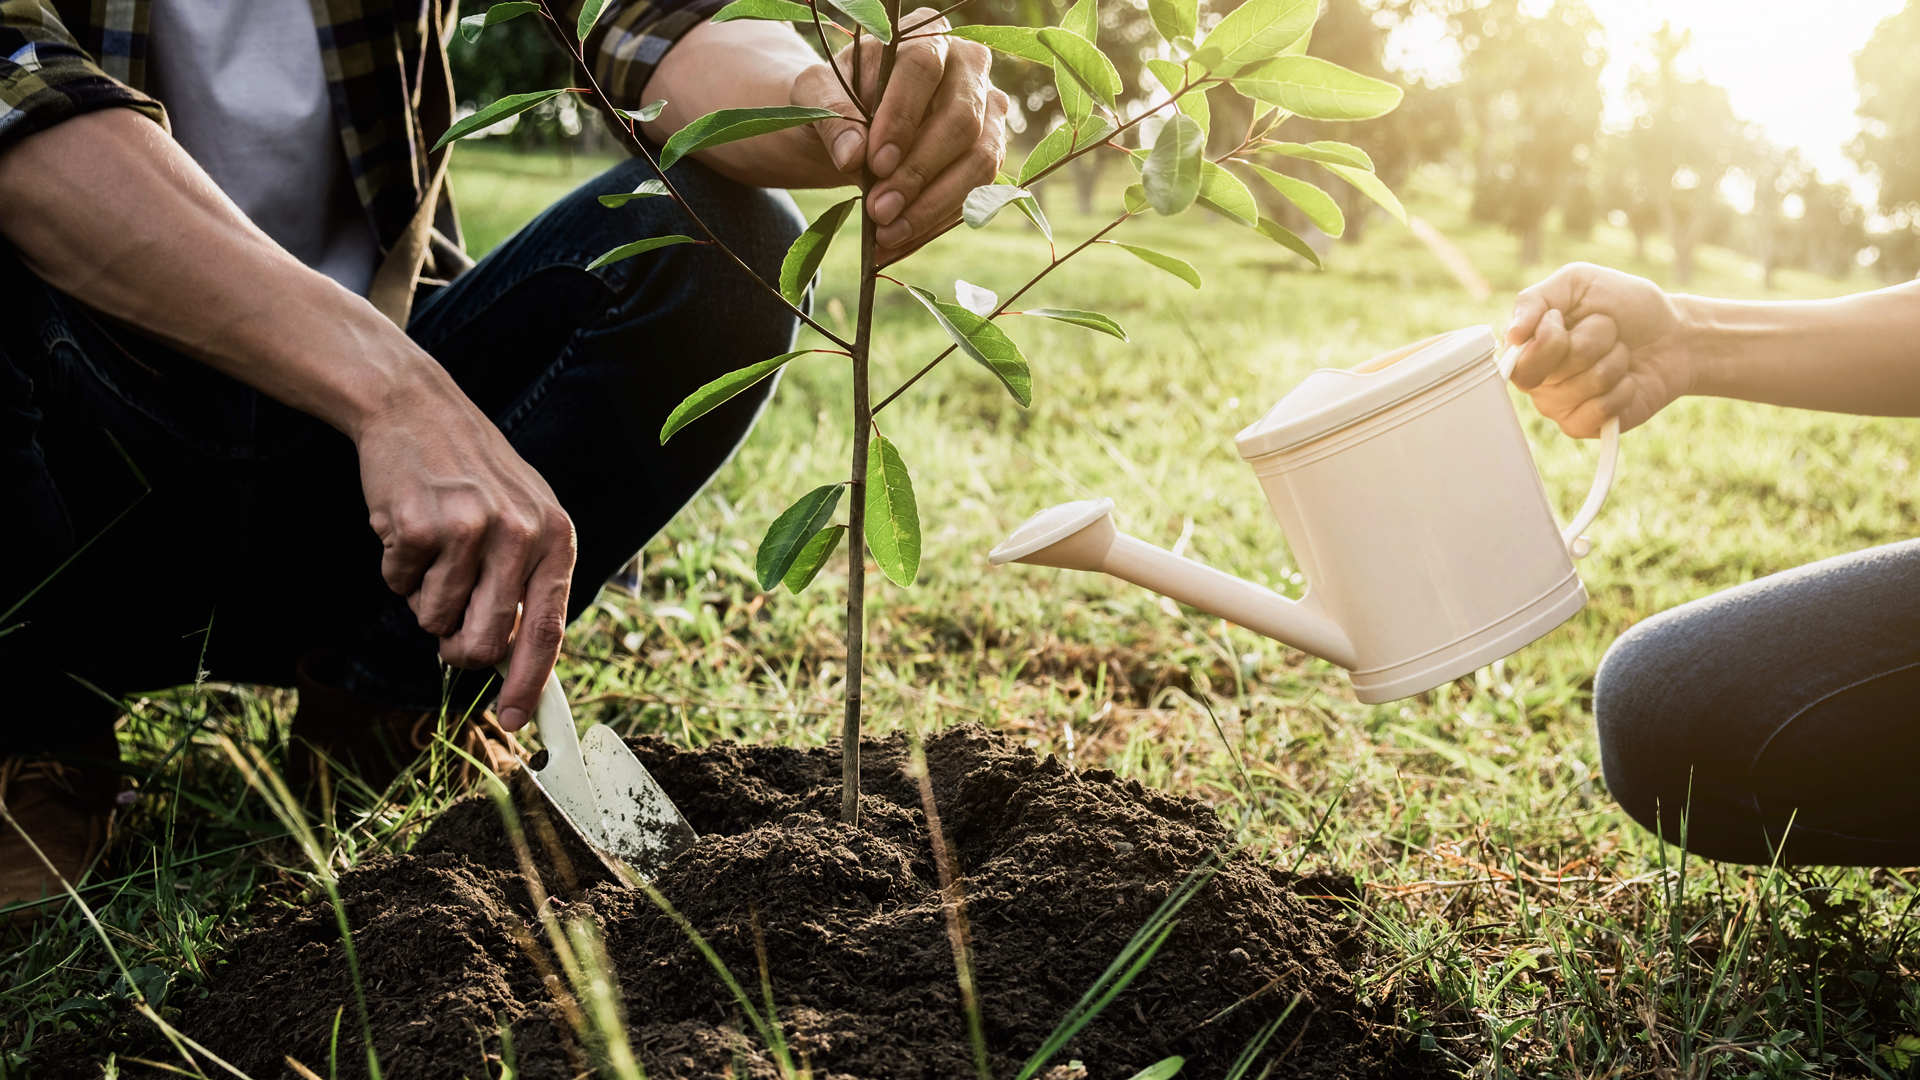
(1410, 498)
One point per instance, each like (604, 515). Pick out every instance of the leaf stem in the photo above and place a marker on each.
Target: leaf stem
(640, 146)
(935, 17)
(1002, 310)
(832, 62)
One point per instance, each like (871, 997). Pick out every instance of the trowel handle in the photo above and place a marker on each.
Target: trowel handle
(555, 719)
(1578, 546)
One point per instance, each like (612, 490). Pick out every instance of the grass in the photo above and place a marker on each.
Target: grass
(1545, 933)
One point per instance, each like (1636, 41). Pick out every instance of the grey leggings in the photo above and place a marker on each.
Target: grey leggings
(1794, 698)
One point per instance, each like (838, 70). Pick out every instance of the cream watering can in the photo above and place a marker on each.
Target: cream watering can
(1410, 498)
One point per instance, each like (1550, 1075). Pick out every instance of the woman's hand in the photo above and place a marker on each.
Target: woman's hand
(1599, 343)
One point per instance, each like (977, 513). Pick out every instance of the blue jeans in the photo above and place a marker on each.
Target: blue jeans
(1783, 714)
(253, 548)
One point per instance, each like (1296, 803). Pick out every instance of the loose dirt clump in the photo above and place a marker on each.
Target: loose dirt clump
(1059, 871)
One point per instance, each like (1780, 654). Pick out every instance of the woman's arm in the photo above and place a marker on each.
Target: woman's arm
(1600, 343)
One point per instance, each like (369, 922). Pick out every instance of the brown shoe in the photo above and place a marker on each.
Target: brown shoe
(377, 741)
(68, 811)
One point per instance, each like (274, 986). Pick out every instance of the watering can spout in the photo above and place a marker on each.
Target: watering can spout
(1082, 536)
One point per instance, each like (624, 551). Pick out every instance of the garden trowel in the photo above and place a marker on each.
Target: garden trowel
(603, 791)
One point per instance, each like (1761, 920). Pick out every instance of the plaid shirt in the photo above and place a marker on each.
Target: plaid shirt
(386, 69)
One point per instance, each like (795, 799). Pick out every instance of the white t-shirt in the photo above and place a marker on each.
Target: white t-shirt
(248, 99)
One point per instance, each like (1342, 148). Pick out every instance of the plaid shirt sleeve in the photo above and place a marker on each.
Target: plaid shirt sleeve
(631, 37)
(46, 77)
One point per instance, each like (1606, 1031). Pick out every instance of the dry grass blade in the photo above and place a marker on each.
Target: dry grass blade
(953, 903)
(263, 779)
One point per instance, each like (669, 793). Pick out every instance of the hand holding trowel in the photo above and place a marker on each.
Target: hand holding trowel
(603, 792)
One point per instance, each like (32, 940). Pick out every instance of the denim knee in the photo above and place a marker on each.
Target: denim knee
(1628, 706)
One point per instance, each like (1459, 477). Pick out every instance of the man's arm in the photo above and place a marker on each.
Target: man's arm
(110, 210)
(1602, 343)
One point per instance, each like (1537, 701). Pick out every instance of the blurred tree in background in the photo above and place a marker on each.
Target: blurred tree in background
(1684, 139)
(1531, 87)
(1888, 73)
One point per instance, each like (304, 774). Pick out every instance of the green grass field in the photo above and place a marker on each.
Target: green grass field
(1544, 932)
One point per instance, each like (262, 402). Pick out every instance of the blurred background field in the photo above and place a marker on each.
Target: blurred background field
(1540, 932)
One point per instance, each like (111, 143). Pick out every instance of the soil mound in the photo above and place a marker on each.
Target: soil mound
(1060, 869)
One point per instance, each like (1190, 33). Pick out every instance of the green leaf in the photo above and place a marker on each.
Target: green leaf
(1179, 268)
(1031, 208)
(893, 520)
(1318, 90)
(1048, 150)
(1333, 153)
(809, 248)
(1286, 238)
(1194, 102)
(95, 1006)
(647, 190)
(645, 114)
(1223, 193)
(792, 530)
(639, 247)
(1168, 74)
(870, 14)
(984, 342)
(807, 565)
(1371, 187)
(1316, 204)
(1172, 171)
(1083, 18)
(472, 25)
(1092, 320)
(987, 200)
(1075, 102)
(1163, 1069)
(1175, 18)
(1255, 31)
(1087, 64)
(1093, 131)
(1135, 198)
(719, 391)
(511, 105)
(589, 14)
(1020, 41)
(732, 125)
(773, 10)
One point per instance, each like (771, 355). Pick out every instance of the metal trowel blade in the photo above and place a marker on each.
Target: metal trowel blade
(639, 823)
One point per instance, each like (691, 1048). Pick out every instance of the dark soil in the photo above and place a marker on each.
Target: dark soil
(1060, 870)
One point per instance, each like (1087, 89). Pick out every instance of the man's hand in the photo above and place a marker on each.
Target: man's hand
(940, 130)
(938, 133)
(1599, 343)
(473, 537)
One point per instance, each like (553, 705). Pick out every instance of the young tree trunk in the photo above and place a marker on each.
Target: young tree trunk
(857, 484)
(857, 527)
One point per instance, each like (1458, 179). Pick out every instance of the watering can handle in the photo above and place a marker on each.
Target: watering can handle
(1578, 546)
